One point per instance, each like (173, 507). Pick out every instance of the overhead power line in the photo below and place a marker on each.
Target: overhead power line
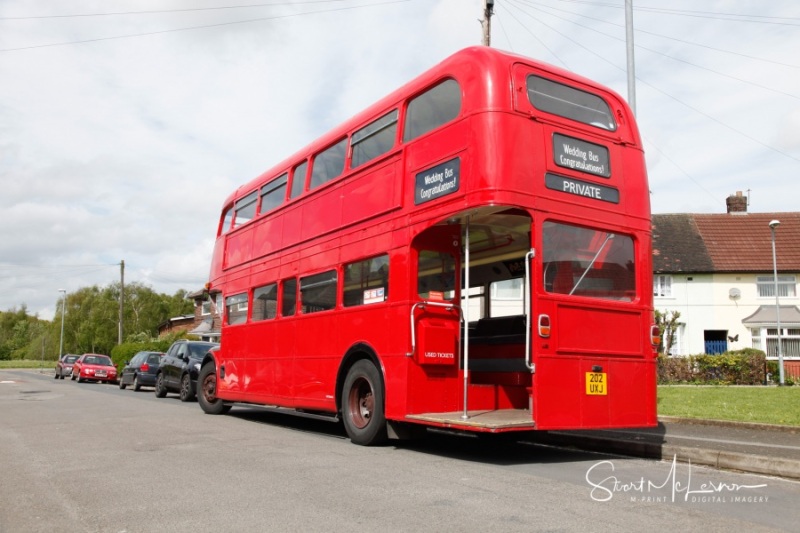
(204, 26)
(158, 11)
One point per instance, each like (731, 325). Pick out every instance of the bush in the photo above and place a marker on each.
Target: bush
(739, 367)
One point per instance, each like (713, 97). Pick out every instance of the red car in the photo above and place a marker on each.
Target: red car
(94, 367)
(64, 366)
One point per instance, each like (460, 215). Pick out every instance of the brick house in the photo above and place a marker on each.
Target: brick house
(717, 271)
(204, 323)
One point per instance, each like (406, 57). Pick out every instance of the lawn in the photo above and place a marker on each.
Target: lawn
(765, 405)
(17, 363)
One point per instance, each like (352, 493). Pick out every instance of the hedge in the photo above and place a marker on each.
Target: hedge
(740, 367)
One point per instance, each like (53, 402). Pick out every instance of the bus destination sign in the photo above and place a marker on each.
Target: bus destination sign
(581, 155)
(581, 188)
(441, 180)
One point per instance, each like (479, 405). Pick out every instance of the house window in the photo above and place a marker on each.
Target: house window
(662, 286)
(766, 339)
(210, 307)
(786, 286)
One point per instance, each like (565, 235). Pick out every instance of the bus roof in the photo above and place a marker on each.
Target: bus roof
(473, 61)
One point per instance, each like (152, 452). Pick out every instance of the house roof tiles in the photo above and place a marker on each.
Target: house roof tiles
(731, 242)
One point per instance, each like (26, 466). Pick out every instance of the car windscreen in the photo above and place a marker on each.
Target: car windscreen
(197, 351)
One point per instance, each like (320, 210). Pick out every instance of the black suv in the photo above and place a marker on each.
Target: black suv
(180, 367)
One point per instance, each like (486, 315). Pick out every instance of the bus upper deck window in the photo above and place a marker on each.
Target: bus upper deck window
(328, 164)
(431, 109)
(570, 103)
(245, 209)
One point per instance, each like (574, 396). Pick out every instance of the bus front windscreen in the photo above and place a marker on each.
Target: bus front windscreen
(588, 262)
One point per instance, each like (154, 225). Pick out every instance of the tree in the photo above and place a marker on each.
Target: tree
(667, 323)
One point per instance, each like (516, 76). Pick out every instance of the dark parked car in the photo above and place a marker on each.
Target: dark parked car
(180, 367)
(64, 365)
(94, 367)
(141, 370)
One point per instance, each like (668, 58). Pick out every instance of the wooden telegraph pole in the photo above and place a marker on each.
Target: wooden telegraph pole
(486, 23)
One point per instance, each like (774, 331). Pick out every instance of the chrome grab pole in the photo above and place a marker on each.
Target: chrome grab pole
(528, 352)
(465, 313)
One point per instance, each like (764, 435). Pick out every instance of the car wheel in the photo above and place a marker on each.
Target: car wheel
(136, 385)
(122, 383)
(207, 392)
(362, 404)
(187, 394)
(161, 390)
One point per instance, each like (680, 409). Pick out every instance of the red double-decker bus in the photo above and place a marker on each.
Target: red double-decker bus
(471, 252)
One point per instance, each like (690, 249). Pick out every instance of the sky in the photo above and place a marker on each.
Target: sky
(124, 124)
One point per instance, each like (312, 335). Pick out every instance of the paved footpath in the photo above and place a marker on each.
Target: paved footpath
(756, 448)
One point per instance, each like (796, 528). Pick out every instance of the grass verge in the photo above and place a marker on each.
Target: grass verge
(18, 363)
(763, 405)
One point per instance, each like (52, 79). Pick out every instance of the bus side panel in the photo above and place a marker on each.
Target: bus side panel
(267, 236)
(372, 193)
(316, 361)
(321, 212)
(239, 247)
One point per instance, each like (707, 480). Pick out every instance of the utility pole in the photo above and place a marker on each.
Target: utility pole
(629, 49)
(486, 23)
(121, 296)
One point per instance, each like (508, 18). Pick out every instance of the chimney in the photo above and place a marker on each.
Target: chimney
(737, 204)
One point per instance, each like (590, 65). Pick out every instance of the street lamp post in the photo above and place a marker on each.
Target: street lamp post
(772, 225)
(63, 312)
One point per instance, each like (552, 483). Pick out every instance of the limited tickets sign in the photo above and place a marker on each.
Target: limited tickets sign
(582, 156)
(441, 180)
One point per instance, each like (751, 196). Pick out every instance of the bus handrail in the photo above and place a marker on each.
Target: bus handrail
(528, 352)
(422, 305)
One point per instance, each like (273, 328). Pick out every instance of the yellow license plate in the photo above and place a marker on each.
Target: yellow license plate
(597, 383)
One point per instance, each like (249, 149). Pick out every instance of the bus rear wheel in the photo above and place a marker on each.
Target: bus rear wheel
(207, 391)
(363, 405)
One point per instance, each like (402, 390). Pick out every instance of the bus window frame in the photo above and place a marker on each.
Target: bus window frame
(323, 156)
(408, 137)
(293, 191)
(247, 201)
(270, 187)
(359, 136)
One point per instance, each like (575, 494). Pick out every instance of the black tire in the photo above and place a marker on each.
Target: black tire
(136, 385)
(363, 405)
(207, 391)
(186, 392)
(122, 384)
(161, 390)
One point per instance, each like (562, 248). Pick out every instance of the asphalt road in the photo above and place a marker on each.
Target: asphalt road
(91, 457)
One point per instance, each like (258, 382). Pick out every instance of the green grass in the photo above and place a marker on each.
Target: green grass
(764, 405)
(18, 363)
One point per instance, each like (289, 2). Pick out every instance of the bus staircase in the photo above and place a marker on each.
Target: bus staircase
(498, 377)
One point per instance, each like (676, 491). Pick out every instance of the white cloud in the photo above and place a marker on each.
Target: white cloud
(126, 148)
